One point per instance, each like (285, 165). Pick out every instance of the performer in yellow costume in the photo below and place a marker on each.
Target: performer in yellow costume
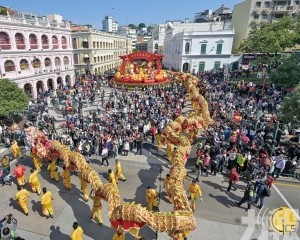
(119, 174)
(195, 192)
(96, 209)
(52, 167)
(66, 175)
(22, 196)
(84, 188)
(151, 198)
(165, 184)
(77, 233)
(15, 149)
(37, 161)
(111, 177)
(34, 181)
(46, 202)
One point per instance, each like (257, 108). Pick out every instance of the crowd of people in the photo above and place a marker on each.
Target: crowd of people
(243, 141)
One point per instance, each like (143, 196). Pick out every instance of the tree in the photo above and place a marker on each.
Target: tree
(12, 98)
(142, 25)
(288, 73)
(290, 110)
(132, 26)
(272, 37)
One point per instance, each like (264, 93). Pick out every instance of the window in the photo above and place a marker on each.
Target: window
(217, 65)
(57, 62)
(74, 43)
(36, 63)
(203, 48)
(75, 56)
(66, 61)
(20, 42)
(24, 64)
(54, 42)
(187, 48)
(4, 41)
(297, 2)
(219, 48)
(256, 16)
(45, 44)
(265, 16)
(95, 59)
(64, 42)
(9, 66)
(47, 62)
(201, 66)
(267, 4)
(258, 4)
(33, 41)
(156, 46)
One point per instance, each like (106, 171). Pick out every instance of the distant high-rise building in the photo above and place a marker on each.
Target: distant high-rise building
(109, 24)
(250, 12)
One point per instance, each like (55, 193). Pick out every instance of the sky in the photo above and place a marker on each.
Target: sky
(125, 12)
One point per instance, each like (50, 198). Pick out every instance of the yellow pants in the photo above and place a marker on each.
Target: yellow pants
(67, 182)
(21, 180)
(152, 203)
(36, 187)
(85, 193)
(17, 153)
(120, 176)
(193, 201)
(47, 209)
(54, 175)
(23, 205)
(97, 211)
(37, 164)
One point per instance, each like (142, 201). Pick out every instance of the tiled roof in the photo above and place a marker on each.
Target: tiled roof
(79, 28)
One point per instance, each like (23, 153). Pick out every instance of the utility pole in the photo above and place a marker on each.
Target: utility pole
(274, 138)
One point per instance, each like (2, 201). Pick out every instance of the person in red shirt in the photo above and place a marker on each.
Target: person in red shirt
(19, 173)
(153, 132)
(233, 178)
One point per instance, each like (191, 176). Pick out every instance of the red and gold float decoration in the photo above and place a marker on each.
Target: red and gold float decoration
(130, 217)
(141, 68)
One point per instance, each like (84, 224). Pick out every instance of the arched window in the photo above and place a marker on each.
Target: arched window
(187, 48)
(156, 46)
(47, 62)
(54, 42)
(45, 42)
(57, 62)
(20, 41)
(9, 66)
(24, 64)
(36, 63)
(64, 42)
(33, 41)
(66, 61)
(4, 41)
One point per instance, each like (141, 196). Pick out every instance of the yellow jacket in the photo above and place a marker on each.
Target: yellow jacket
(77, 234)
(33, 177)
(22, 195)
(66, 174)
(195, 189)
(46, 199)
(52, 166)
(112, 178)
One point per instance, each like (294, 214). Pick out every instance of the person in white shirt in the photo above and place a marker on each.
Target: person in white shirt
(278, 166)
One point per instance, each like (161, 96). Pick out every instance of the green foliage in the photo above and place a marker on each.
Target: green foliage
(290, 110)
(288, 73)
(272, 37)
(132, 26)
(12, 98)
(3, 11)
(142, 25)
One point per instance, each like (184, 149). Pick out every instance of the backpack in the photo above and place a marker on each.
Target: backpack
(267, 191)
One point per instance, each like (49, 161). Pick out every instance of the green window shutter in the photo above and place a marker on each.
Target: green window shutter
(219, 48)
(217, 65)
(201, 66)
(203, 48)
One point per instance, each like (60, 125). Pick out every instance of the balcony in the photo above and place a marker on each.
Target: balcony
(55, 46)
(5, 46)
(21, 46)
(64, 46)
(283, 8)
(33, 46)
(45, 45)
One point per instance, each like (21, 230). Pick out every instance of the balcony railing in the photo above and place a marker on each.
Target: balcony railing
(21, 46)
(5, 46)
(33, 46)
(55, 46)
(283, 8)
(64, 46)
(45, 46)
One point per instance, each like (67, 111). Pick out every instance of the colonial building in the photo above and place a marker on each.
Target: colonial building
(96, 51)
(250, 12)
(35, 52)
(197, 47)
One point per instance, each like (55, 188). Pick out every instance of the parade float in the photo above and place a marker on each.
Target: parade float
(141, 68)
(131, 217)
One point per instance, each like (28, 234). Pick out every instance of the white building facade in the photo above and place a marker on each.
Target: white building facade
(36, 53)
(109, 25)
(197, 47)
(130, 33)
(156, 44)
